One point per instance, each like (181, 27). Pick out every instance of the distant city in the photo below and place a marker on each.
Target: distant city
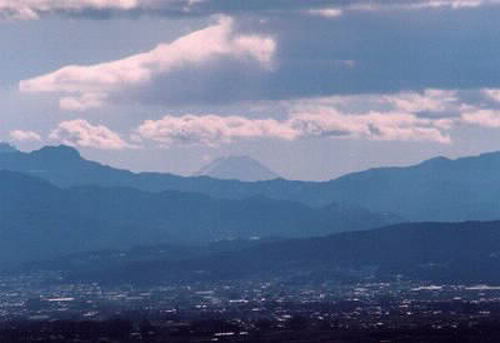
(39, 307)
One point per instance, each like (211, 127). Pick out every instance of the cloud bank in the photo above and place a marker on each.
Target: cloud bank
(395, 118)
(427, 116)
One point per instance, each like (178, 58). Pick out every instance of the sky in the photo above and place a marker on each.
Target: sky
(313, 89)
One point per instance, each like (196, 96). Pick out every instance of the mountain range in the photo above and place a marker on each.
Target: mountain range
(40, 220)
(53, 202)
(439, 189)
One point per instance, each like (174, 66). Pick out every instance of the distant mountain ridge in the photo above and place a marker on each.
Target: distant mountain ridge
(39, 220)
(64, 167)
(241, 168)
(439, 189)
(6, 148)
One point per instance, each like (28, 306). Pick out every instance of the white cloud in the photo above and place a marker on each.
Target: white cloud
(429, 115)
(329, 13)
(454, 4)
(415, 5)
(483, 117)
(25, 136)
(430, 100)
(32, 9)
(80, 133)
(492, 94)
(401, 5)
(317, 119)
(83, 103)
(212, 130)
(420, 5)
(387, 126)
(436, 101)
(395, 117)
(84, 87)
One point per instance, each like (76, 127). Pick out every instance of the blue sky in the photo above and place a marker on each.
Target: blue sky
(313, 89)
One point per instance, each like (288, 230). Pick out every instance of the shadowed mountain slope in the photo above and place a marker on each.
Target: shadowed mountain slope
(39, 219)
(456, 253)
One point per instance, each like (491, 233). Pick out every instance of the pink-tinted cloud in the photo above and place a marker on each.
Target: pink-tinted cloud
(85, 87)
(492, 94)
(327, 12)
(81, 133)
(482, 117)
(25, 136)
(430, 100)
(32, 9)
(321, 121)
(387, 126)
(212, 130)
